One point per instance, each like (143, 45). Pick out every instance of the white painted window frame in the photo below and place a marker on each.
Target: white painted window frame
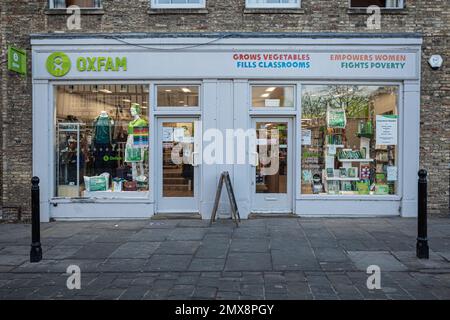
(297, 5)
(154, 5)
(51, 5)
(401, 5)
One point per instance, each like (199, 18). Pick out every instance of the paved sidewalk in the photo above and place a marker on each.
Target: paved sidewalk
(262, 259)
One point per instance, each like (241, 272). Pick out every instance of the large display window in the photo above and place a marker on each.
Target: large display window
(349, 140)
(102, 141)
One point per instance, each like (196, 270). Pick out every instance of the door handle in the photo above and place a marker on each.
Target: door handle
(195, 161)
(270, 199)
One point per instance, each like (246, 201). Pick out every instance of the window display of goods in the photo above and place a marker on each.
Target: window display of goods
(334, 139)
(365, 129)
(350, 154)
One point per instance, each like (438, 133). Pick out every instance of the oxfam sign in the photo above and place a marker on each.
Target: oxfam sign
(59, 64)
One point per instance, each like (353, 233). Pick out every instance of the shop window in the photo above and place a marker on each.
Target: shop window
(394, 4)
(273, 96)
(177, 4)
(349, 140)
(177, 96)
(102, 141)
(272, 3)
(61, 4)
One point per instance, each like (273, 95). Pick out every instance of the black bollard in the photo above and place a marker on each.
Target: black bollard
(422, 249)
(36, 249)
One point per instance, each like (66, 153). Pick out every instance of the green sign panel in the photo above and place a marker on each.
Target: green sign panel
(17, 60)
(58, 64)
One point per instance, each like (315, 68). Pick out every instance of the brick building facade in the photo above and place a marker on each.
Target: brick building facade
(19, 19)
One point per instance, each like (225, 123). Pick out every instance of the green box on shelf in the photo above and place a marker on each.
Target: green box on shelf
(381, 189)
(362, 187)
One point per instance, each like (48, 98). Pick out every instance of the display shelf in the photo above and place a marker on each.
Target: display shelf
(341, 179)
(355, 160)
(335, 145)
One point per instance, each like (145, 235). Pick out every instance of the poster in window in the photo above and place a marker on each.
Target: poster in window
(387, 130)
(167, 134)
(306, 137)
(178, 134)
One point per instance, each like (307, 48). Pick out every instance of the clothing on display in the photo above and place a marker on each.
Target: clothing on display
(103, 145)
(102, 154)
(103, 129)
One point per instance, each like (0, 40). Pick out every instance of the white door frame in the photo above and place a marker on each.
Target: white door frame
(275, 202)
(178, 204)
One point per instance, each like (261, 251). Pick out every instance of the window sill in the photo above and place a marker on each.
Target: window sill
(178, 11)
(393, 11)
(340, 197)
(274, 11)
(92, 11)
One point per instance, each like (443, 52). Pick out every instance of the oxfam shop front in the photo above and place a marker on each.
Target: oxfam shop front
(130, 126)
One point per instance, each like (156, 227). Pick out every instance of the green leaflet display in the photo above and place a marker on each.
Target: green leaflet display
(133, 154)
(336, 118)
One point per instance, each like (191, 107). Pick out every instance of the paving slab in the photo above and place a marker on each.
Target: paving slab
(187, 234)
(212, 250)
(250, 245)
(148, 235)
(248, 262)
(385, 260)
(13, 260)
(135, 250)
(201, 264)
(178, 247)
(168, 262)
(95, 251)
(409, 259)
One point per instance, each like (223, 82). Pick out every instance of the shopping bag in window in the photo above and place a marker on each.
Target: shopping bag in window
(336, 118)
(133, 154)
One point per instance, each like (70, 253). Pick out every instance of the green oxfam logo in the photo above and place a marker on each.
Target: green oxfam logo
(58, 64)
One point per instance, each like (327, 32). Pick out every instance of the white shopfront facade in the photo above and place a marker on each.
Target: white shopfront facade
(228, 70)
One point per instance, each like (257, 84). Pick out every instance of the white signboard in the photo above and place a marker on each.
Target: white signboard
(178, 134)
(387, 130)
(391, 173)
(306, 137)
(331, 149)
(329, 162)
(272, 103)
(92, 62)
(167, 134)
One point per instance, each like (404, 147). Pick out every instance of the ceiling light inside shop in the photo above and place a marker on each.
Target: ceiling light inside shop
(180, 101)
(168, 90)
(126, 100)
(185, 90)
(265, 95)
(270, 89)
(105, 91)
